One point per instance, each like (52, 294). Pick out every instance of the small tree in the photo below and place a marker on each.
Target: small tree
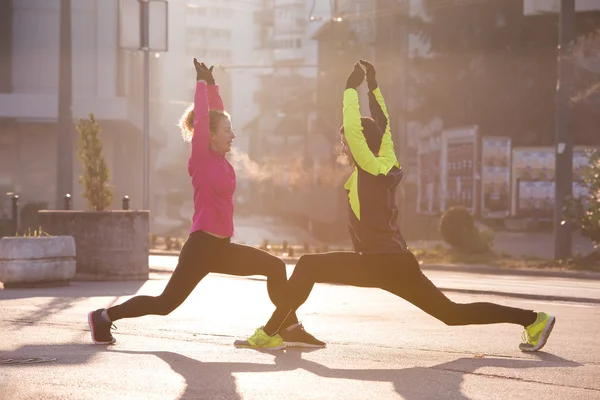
(95, 177)
(584, 210)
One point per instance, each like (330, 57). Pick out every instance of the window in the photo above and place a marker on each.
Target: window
(197, 51)
(195, 32)
(194, 9)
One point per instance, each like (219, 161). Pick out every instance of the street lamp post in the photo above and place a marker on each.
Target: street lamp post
(143, 26)
(145, 47)
(564, 138)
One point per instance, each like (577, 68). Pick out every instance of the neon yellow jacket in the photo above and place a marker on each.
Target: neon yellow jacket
(372, 185)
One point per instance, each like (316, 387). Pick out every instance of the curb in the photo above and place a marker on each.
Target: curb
(487, 270)
(467, 268)
(526, 296)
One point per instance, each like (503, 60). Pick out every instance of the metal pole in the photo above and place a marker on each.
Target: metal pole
(64, 171)
(404, 138)
(67, 200)
(564, 139)
(145, 26)
(15, 214)
(125, 202)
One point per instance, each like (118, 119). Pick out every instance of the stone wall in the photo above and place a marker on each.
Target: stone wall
(111, 245)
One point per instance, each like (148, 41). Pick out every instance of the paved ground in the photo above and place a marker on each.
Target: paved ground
(379, 347)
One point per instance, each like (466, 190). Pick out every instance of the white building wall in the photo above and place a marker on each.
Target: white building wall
(35, 60)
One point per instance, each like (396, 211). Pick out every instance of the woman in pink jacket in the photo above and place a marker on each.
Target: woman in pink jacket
(208, 247)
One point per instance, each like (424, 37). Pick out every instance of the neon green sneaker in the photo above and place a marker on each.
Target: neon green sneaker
(536, 334)
(260, 340)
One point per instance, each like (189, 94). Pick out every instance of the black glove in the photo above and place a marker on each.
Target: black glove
(204, 73)
(371, 82)
(355, 78)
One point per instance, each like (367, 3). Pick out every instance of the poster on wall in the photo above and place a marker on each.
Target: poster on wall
(530, 165)
(536, 199)
(533, 177)
(495, 176)
(428, 182)
(459, 158)
(581, 160)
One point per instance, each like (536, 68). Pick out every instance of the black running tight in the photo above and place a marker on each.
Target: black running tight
(201, 254)
(399, 274)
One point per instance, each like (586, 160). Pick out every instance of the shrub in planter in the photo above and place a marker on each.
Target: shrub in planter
(29, 215)
(111, 245)
(95, 177)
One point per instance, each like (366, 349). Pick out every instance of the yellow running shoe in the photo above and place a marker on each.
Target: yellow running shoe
(260, 340)
(536, 334)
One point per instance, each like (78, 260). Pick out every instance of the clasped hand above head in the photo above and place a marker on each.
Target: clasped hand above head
(357, 76)
(204, 73)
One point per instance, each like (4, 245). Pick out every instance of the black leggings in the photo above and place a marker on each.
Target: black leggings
(201, 254)
(399, 274)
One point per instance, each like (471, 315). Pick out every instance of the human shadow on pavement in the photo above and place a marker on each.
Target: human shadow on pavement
(77, 289)
(65, 297)
(441, 381)
(209, 380)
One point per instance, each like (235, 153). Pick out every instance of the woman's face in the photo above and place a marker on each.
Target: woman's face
(221, 139)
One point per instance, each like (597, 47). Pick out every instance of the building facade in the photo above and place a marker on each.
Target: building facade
(106, 81)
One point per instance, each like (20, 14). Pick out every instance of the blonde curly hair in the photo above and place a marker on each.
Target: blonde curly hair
(186, 121)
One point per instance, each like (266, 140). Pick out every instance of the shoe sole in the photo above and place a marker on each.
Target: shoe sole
(544, 336)
(249, 346)
(260, 348)
(305, 345)
(91, 324)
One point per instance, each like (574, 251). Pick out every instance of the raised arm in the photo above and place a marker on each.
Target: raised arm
(382, 119)
(353, 132)
(202, 98)
(201, 136)
(214, 97)
(379, 113)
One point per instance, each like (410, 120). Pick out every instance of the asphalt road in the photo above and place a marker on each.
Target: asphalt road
(379, 346)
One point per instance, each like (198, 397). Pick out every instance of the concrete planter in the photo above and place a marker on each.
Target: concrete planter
(29, 261)
(111, 245)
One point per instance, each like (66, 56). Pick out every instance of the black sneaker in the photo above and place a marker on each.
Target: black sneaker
(296, 336)
(99, 328)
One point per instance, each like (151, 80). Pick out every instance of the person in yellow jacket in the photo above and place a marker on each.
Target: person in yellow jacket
(380, 258)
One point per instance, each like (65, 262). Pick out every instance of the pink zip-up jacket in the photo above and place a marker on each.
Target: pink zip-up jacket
(213, 178)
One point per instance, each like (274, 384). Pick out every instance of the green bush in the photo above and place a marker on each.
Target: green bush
(583, 212)
(458, 229)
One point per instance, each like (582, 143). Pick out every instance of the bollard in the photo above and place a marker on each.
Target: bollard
(67, 205)
(125, 202)
(15, 214)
